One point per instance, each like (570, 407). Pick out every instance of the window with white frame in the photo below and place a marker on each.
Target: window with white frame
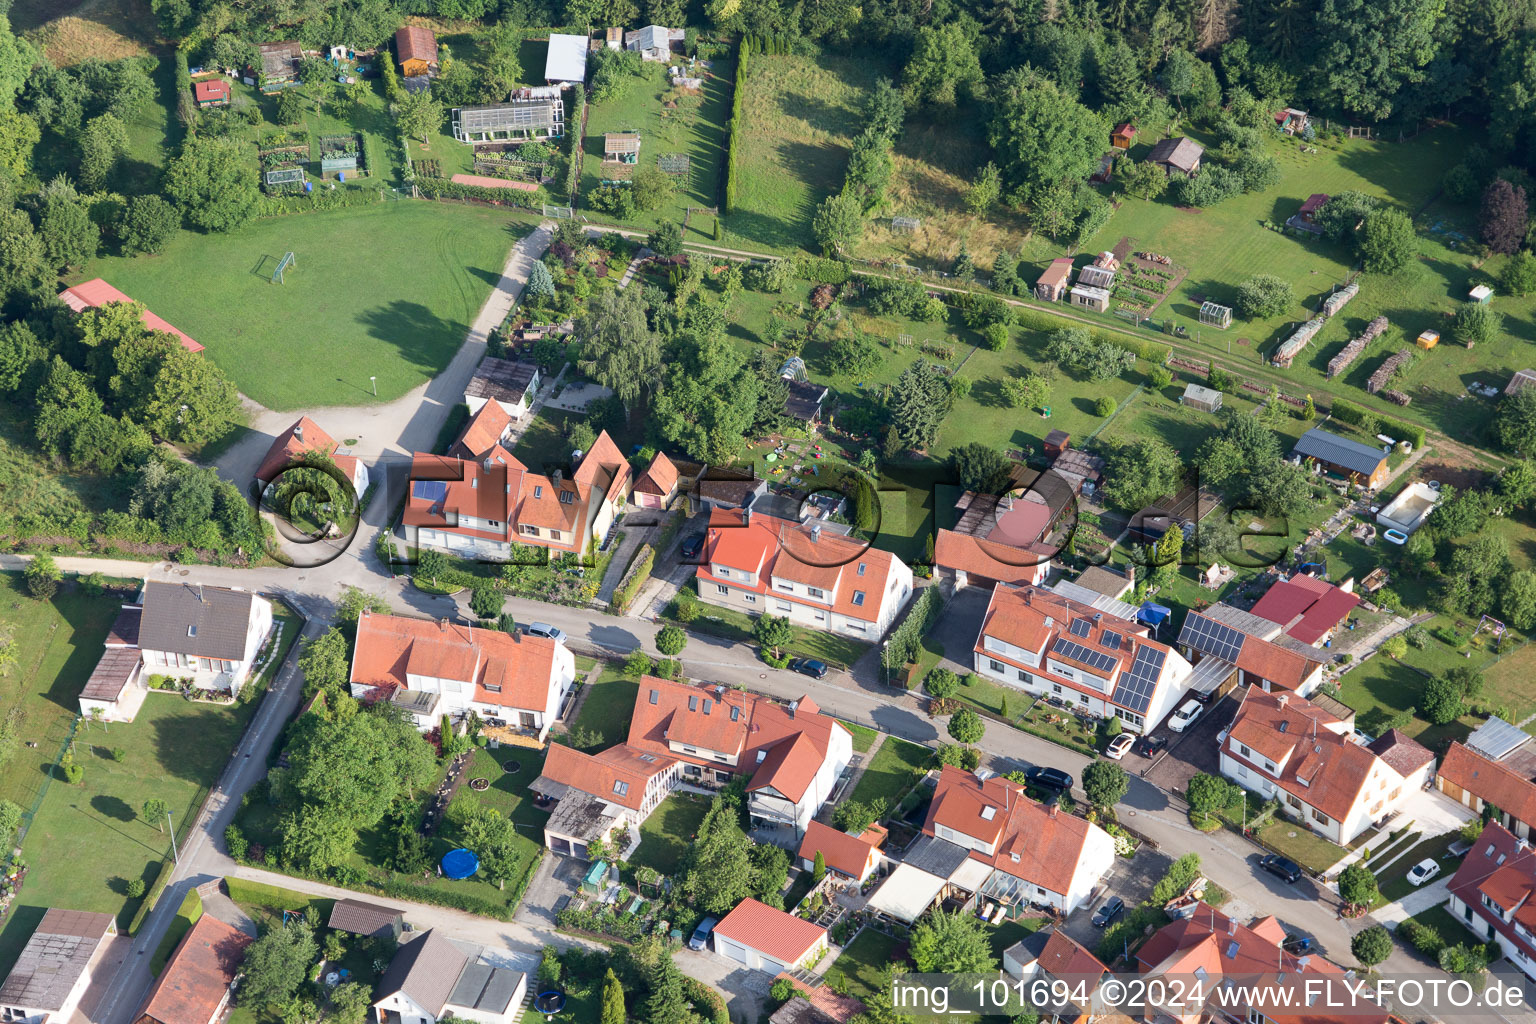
(722, 588)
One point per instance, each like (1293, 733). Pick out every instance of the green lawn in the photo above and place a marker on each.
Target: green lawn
(1009, 932)
(88, 841)
(1311, 851)
(668, 833)
(839, 651)
(799, 116)
(607, 707)
(1451, 928)
(863, 737)
(398, 311)
(865, 959)
(891, 772)
(1393, 882)
(1380, 688)
(671, 122)
(186, 916)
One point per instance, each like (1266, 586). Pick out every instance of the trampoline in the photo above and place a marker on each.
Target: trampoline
(549, 1002)
(460, 863)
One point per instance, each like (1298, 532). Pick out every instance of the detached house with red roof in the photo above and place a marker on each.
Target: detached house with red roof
(430, 669)
(1283, 746)
(854, 857)
(303, 437)
(1049, 645)
(704, 736)
(1493, 772)
(195, 985)
(1246, 976)
(1306, 608)
(764, 939)
(481, 501)
(1492, 892)
(807, 572)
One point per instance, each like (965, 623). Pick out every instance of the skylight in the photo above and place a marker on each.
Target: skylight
(988, 813)
(622, 788)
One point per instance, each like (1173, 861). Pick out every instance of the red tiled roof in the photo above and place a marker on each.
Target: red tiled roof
(195, 980)
(414, 42)
(1495, 783)
(1305, 607)
(1063, 957)
(210, 89)
(96, 292)
(1314, 203)
(1284, 668)
(483, 432)
(1048, 844)
(1502, 868)
(789, 768)
(780, 935)
(660, 477)
(597, 774)
(990, 560)
(125, 628)
(603, 467)
(389, 647)
(776, 548)
(289, 447)
(839, 850)
(1058, 273)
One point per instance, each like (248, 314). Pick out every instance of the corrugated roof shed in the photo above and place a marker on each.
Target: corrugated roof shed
(567, 59)
(1339, 451)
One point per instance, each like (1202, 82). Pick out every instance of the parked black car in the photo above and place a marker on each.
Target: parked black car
(1106, 914)
(809, 667)
(1281, 867)
(1047, 777)
(1151, 746)
(693, 545)
(1297, 945)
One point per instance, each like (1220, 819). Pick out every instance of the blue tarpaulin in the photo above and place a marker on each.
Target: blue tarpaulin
(1153, 614)
(460, 863)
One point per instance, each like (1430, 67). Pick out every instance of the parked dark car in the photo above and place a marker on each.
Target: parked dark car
(1151, 746)
(809, 667)
(1297, 945)
(1281, 867)
(701, 934)
(1047, 777)
(1203, 697)
(1106, 914)
(693, 545)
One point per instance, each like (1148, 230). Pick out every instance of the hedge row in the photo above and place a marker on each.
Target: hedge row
(821, 269)
(1354, 415)
(634, 577)
(320, 199)
(444, 188)
(743, 55)
(706, 1000)
(152, 896)
(1152, 351)
(287, 899)
(573, 171)
(902, 646)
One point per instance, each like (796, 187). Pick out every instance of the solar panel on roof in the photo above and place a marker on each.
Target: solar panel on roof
(1137, 685)
(1496, 738)
(1211, 637)
(1077, 652)
(1109, 638)
(1080, 627)
(430, 490)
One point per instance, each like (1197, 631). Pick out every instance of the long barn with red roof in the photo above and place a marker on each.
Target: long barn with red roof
(96, 292)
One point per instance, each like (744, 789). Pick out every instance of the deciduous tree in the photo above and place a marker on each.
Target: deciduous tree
(214, 184)
(1388, 243)
(1105, 782)
(951, 943)
(1504, 216)
(1263, 296)
(275, 964)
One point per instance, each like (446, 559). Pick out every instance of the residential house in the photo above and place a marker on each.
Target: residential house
(1305, 219)
(1037, 854)
(510, 383)
(1246, 976)
(210, 635)
(1069, 652)
(195, 984)
(432, 669)
(55, 967)
(1491, 894)
(96, 292)
(806, 572)
(1358, 463)
(1307, 608)
(416, 50)
(854, 857)
(765, 939)
(536, 113)
(369, 920)
(1003, 538)
(279, 64)
(1492, 772)
(703, 736)
(432, 977)
(566, 60)
(1198, 396)
(1177, 155)
(118, 684)
(657, 486)
(621, 147)
(1123, 136)
(1052, 285)
(481, 507)
(1284, 747)
(653, 42)
(290, 447)
(1056, 966)
(1223, 640)
(211, 92)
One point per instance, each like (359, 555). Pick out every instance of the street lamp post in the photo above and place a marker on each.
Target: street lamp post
(375, 382)
(172, 826)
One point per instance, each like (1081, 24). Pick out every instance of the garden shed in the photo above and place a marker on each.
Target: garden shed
(416, 47)
(1089, 297)
(653, 42)
(211, 92)
(621, 148)
(1214, 314)
(1428, 340)
(1197, 396)
(279, 63)
(1052, 286)
(566, 60)
(1481, 294)
(1123, 136)
(1178, 155)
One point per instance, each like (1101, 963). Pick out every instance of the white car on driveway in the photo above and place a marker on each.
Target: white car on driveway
(1119, 746)
(1184, 717)
(1423, 871)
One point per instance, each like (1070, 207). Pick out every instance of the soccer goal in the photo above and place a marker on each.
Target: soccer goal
(559, 212)
(288, 262)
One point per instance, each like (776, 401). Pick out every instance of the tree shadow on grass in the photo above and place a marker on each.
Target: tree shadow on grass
(112, 807)
(131, 839)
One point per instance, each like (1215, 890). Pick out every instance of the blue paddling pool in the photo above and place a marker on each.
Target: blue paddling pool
(460, 863)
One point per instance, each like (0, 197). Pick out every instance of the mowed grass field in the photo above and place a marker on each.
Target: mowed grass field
(387, 290)
(670, 121)
(800, 115)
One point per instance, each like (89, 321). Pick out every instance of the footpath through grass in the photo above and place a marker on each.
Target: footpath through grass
(386, 290)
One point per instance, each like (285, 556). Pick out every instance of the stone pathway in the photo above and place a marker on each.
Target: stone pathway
(629, 541)
(825, 815)
(1416, 902)
(634, 267)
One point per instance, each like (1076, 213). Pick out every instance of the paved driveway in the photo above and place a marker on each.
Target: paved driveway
(957, 627)
(745, 991)
(1189, 752)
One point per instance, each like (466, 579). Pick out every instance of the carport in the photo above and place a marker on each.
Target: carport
(906, 894)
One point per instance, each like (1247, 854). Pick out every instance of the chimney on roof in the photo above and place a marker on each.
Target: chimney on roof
(746, 516)
(1028, 596)
(815, 532)
(298, 430)
(1130, 574)
(200, 594)
(792, 705)
(555, 477)
(1280, 700)
(1051, 810)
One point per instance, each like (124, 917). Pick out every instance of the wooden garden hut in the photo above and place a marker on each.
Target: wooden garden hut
(416, 47)
(1178, 155)
(1123, 136)
(621, 148)
(211, 92)
(1052, 286)
(279, 63)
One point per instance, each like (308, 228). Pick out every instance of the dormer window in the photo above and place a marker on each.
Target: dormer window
(816, 593)
(621, 788)
(760, 755)
(538, 492)
(492, 687)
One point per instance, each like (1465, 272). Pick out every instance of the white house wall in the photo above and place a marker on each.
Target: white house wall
(1096, 861)
(409, 1010)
